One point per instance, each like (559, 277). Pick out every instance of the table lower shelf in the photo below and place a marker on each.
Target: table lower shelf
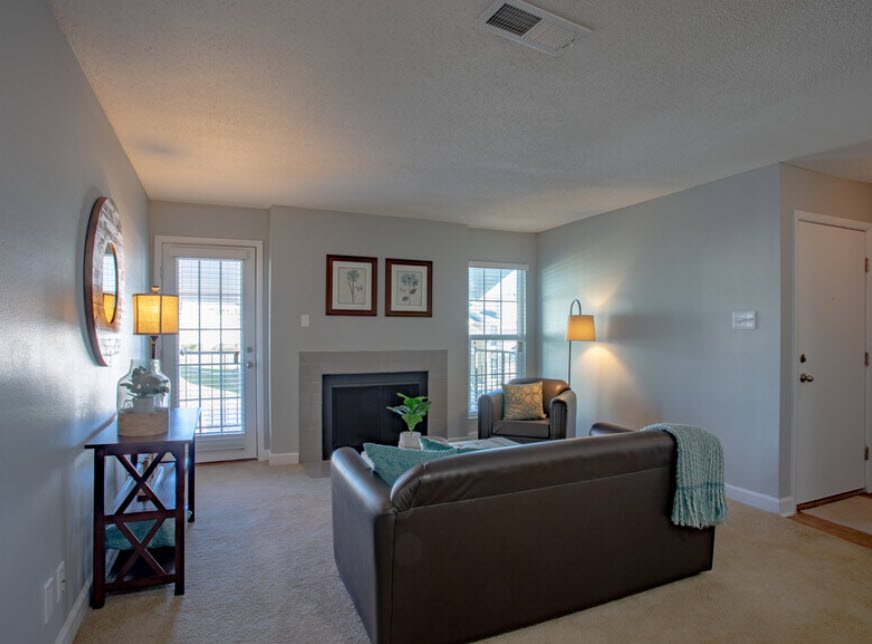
(140, 574)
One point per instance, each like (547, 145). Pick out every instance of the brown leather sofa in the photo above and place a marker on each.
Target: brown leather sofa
(476, 544)
(558, 404)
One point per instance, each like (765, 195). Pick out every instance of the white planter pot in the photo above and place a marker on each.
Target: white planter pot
(143, 405)
(410, 440)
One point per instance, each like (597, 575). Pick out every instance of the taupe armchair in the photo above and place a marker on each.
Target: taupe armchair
(558, 402)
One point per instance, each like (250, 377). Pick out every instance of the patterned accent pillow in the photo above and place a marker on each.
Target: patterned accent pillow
(523, 402)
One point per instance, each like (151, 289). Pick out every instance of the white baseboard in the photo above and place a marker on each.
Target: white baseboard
(784, 506)
(283, 458)
(76, 617)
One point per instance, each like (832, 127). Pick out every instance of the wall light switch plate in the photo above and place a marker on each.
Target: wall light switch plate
(744, 320)
(60, 581)
(48, 600)
(304, 320)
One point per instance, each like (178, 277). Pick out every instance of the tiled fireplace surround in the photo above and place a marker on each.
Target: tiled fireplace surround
(315, 364)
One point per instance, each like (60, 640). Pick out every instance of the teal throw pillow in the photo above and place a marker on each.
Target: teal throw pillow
(390, 462)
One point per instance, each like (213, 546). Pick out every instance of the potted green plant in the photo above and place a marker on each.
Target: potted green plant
(412, 411)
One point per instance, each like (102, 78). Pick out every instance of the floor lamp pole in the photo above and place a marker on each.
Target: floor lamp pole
(569, 366)
(569, 337)
(578, 327)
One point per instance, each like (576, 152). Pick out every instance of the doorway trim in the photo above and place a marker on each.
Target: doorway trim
(260, 382)
(850, 224)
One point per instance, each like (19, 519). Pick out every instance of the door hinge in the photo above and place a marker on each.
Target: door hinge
(866, 358)
(866, 265)
(866, 453)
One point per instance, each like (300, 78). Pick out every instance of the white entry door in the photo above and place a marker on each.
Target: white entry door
(829, 361)
(211, 361)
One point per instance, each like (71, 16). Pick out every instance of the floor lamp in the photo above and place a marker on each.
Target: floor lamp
(579, 328)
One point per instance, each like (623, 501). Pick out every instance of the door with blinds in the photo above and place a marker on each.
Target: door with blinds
(211, 361)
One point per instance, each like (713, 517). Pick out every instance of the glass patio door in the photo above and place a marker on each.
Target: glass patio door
(211, 361)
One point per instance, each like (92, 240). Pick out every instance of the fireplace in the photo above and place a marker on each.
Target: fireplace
(354, 409)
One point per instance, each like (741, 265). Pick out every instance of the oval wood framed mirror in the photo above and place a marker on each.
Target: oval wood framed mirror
(104, 280)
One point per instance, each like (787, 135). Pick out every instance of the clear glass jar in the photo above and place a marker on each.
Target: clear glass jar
(143, 389)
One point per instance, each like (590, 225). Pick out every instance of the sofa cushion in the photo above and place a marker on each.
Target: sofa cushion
(439, 444)
(525, 428)
(390, 462)
(523, 402)
(435, 444)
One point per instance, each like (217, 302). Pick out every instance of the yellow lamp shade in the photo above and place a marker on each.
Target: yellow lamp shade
(580, 327)
(155, 314)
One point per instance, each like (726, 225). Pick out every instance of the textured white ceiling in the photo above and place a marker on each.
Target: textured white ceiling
(853, 162)
(406, 108)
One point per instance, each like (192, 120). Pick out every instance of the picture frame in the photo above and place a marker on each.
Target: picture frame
(408, 288)
(352, 285)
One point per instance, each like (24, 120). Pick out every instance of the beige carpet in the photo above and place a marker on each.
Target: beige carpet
(260, 569)
(854, 512)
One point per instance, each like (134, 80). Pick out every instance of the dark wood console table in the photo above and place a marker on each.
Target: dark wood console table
(141, 565)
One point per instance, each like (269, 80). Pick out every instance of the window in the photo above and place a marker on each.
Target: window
(497, 327)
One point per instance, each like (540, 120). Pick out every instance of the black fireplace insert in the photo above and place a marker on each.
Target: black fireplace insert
(355, 408)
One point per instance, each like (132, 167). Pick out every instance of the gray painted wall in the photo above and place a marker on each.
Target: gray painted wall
(301, 238)
(59, 154)
(200, 220)
(662, 278)
(220, 222)
(818, 193)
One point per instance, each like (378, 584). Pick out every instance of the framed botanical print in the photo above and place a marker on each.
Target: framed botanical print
(352, 285)
(409, 291)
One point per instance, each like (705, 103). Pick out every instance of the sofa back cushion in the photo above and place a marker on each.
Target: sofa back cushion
(507, 470)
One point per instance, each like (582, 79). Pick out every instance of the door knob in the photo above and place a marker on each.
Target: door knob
(806, 377)
(249, 364)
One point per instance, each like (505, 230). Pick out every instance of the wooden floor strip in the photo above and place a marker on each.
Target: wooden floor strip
(836, 530)
(829, 499)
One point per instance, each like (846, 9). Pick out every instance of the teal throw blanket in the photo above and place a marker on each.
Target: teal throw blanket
(699, 500)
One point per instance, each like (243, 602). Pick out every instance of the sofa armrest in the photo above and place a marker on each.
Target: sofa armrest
(363, 536)
(605, 429)
(490, 412)
(561, 413)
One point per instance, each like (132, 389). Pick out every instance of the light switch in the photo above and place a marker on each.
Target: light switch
(744, 320)
(48, 600)
(304, 320)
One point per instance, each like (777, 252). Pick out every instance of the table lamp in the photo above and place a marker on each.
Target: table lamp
(155, 314)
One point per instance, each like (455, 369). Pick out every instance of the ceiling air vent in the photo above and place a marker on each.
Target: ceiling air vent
(531, 26)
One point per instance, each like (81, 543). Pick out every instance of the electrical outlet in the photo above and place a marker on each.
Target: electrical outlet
(60, 581)
(48, 600)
